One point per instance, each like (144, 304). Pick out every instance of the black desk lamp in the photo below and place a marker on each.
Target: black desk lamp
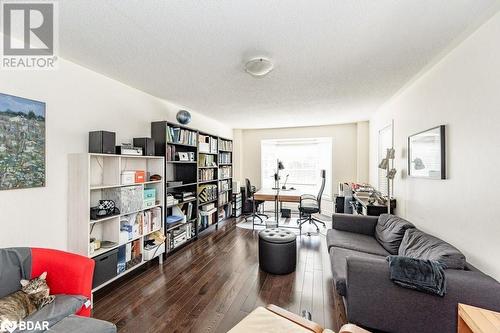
(279, 166)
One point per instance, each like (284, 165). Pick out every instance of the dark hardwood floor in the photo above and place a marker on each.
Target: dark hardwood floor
(214, 282)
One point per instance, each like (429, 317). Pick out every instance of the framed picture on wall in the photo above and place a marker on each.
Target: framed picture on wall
(22, 143)
(427, 154)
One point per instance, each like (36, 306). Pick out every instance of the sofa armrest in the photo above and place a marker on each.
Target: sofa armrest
(374, 301)
(359, 224)
(68, 273)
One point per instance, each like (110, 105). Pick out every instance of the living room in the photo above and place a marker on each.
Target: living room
(290, 166)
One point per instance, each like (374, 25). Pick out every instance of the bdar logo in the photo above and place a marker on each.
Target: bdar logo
(8, 326)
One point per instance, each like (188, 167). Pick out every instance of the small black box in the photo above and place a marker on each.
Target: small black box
(102, 142)
(147, 145)
(286, 212)
(105, 267)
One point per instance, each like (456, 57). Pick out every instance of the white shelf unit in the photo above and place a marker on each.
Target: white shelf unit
(91, 176)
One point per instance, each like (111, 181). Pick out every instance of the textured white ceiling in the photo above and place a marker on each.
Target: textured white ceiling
(335, 61)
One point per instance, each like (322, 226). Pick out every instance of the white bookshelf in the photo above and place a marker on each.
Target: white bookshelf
(91, 178)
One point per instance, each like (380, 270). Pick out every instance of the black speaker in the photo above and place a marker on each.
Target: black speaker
(147, 145)
(102, 142)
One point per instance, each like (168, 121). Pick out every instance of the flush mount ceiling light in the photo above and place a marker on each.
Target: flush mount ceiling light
(259, 67)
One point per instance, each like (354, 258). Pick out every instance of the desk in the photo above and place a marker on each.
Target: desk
(268, 194)
(477, 320)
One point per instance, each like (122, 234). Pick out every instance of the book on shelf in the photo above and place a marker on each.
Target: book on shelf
(207, 174)
(225, 158)
(225, 185)
(225, 172)
(207, 161)
(225, 212)
(187, 210)
(223, 198)
(225, 145)
(181, 135)
(207, 218)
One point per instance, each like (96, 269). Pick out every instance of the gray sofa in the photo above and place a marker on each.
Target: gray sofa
(60, 315)
(358, 247)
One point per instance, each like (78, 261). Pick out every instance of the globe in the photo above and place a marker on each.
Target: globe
(183, 117)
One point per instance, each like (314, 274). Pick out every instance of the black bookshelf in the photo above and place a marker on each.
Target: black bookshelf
(203, 170)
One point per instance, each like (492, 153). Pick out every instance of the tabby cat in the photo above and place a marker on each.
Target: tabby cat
(33, 295)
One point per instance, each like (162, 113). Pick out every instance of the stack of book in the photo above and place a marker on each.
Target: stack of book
(182, 136)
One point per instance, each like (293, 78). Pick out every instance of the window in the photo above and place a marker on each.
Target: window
(384, 142)
(303, 159)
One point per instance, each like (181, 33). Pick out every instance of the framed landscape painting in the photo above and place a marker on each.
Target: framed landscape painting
(22, 143)
(427, 154)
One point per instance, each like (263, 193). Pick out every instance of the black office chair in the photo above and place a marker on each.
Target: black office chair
(310, 204)
(250, 196)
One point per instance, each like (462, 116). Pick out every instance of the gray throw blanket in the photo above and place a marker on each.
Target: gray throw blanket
(422, 275)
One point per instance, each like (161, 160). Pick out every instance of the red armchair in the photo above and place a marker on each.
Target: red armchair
(68, 273)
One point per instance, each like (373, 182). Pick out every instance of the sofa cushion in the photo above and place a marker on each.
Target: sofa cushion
(390, 230)
(354, 241)
(15, 264)
(418, 244)
(77, 324)
(60, 308)
(338, 260)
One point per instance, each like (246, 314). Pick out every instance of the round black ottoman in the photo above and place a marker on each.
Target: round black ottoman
(277, 251)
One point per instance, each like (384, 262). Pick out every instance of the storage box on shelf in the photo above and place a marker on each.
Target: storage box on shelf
(115, 242)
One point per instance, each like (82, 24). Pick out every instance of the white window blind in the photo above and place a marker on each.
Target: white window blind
(303, 159)
(384, 142)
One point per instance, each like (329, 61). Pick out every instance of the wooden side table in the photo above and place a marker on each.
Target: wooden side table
(476, 320)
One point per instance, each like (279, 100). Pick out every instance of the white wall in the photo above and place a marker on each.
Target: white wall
(461, 91)
(78, 101)
(345, 153)
(363, 152)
